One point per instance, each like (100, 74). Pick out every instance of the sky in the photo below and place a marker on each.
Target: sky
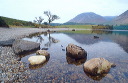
(66, 9)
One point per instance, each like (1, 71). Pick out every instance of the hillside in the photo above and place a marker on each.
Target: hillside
(5, 21)
(121, 19)
(109, 18)
(88, 17)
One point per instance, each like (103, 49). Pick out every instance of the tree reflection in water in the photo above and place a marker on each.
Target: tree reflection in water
(51, 40)
(39, 39)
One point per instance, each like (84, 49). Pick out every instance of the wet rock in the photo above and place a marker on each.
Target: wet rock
(33, 67)
(35, 60)
(96, 37)
(7, 42)
(63, 49)
(75, 51)
(97, 66)
(44, 48)
(23, 46)
(73, 30)
(44, 53)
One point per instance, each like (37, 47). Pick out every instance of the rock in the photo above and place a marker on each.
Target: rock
(42, 52)
(73, 30)
(33, 67)
(96, 37)
(44, 48)
(23, 46)
(36, 60)
(75, 51)
(7, 42)
(97, 66)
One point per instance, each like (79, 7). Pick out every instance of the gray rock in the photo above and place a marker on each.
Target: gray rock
(22, 46)
(7, 42)
(75, 51)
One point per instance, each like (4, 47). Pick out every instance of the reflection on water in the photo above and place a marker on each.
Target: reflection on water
(77, 62)
(111, 45)
(37, 66)
(97, 78)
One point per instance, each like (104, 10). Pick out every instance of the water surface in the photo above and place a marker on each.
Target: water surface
(111, 45)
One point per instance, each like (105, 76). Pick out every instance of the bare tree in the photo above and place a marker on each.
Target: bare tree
(39, 20)
(50, 16)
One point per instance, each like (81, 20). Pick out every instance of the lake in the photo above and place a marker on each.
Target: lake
(111, 45)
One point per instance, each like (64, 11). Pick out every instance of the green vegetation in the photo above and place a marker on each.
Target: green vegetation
(14, 22)
(3, 23)
(103, 27)
(76, 26)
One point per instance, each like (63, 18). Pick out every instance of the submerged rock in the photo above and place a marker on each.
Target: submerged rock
(75, 51)
(43, 53)
(36, 60)
(97, 66)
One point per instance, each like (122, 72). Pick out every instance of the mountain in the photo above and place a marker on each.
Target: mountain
(88, 17)
(109, 18)
(121, 19)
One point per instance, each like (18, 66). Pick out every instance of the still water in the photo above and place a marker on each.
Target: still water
(111, 45)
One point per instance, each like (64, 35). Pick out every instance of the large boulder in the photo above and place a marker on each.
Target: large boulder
(36, 60)
(97, 66)
(75, 51)
(24, 46)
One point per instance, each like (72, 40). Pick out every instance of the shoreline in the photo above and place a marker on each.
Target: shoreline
(11, 68)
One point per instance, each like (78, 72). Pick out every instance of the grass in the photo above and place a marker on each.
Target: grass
(76, 26)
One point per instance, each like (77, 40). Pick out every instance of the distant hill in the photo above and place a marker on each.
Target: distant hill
(109, 18)
(5, 21)
(121, 19)
(88, 17)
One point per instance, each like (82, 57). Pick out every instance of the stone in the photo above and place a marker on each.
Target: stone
(97, 66)
(24, 46)
(36, 60)
(42, 52)
(75, 51)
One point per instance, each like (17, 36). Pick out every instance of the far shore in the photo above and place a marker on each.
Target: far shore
(17, 33)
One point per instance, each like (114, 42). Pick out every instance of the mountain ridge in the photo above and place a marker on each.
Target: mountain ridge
(93, 18)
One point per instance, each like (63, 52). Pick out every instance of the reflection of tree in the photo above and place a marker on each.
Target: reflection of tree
(40, 39)
(51, 40)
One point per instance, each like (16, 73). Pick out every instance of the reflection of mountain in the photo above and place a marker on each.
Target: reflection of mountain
(120, 37)
(122, 40)
(83, 38)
